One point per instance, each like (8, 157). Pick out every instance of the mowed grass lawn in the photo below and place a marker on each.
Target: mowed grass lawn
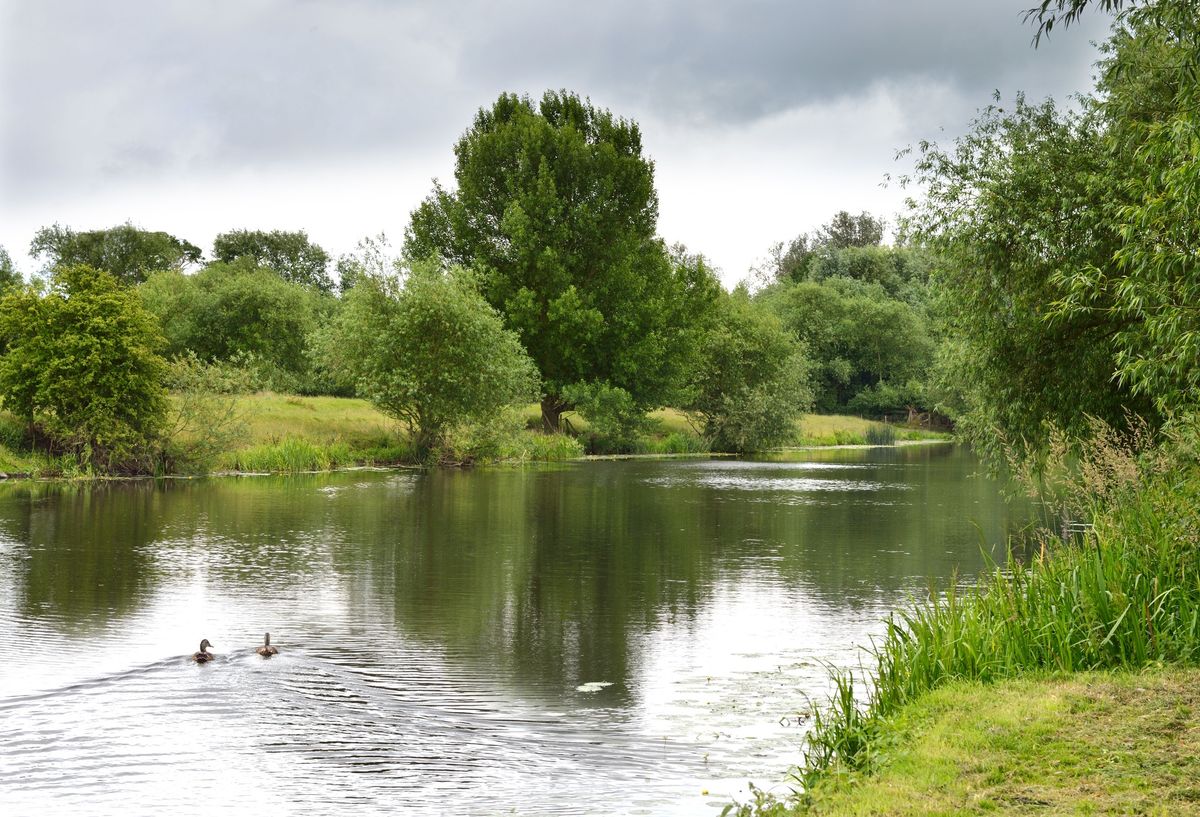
(1091, 743)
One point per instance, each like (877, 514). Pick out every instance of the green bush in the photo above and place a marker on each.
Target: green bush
(752, 381)
(83, 368)
(426, 349)
(615, 421)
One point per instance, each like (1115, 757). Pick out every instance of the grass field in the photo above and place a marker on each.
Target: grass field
(286, 432)
(272, 417)
(843, 429)
(1090, 743)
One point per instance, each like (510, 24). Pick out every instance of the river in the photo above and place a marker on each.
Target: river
(597, 638)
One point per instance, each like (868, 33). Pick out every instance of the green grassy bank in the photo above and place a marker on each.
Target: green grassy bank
(289, 433)
(1123, 596)
(1087, 743)
(340, 431)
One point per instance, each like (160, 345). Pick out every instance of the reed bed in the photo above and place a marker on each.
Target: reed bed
(880, 434)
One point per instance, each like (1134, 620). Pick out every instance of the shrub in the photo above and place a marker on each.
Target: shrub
(83, 368)
(204, 419)
(752, 381)
(614, 419)
(426, 349)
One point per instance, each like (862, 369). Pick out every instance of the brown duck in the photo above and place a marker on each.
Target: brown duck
(266, 650)
(204, 656)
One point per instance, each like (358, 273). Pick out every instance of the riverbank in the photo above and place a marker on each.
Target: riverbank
(1121, 596)
(281, 433)
(1089, 743)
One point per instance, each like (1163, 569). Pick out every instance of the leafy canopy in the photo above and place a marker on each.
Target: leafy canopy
(1150, 105)
(555, 206)
(83, 367)
(238, 310)
(10, 277)
(291, 254)
(130, 253)
(1025, 195)
(870, 351)
(751, 382)
(428, 350)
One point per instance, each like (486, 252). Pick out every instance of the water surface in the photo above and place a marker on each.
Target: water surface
(636, 637)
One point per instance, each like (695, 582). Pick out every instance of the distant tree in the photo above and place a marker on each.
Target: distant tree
(130, 253)
(903, 272)
(793, 261)
(845, 230)
(10, 277)
(859, 340)
(751, 383)
(290, 254)
(555, 206)
(239, 310)
(427, 349)
(83, 367)
(372, 256)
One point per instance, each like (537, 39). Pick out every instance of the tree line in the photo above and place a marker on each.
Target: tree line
(1043, 275)
(538, 276)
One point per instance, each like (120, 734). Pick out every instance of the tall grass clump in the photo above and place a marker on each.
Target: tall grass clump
(538, 447)
(1124, 594)
(291, 455)
(676, 442)
(880, 434)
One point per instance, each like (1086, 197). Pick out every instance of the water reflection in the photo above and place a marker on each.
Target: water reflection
(593, 638)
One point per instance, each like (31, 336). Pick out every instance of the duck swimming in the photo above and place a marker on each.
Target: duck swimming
(266, 650)
(204, 656)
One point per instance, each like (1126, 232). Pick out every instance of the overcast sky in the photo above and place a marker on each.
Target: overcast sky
(333, 116)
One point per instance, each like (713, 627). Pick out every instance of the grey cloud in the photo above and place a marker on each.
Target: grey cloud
(101, 92)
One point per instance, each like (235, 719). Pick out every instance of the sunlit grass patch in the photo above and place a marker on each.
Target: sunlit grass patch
(845, 429)
(271, 417)
(1095, 743)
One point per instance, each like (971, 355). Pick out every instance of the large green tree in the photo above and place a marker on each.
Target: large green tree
(427, 349)
(291, 254)
(555, 206)
(128, 252)
(83, 368)
(1030, 193)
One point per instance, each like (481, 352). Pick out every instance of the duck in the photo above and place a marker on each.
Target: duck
(266, 650)
(204, 656)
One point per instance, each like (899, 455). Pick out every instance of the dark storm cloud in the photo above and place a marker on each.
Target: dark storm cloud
(100, 92)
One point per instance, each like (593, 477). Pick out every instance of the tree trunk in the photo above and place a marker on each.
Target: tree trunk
(552, 410)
